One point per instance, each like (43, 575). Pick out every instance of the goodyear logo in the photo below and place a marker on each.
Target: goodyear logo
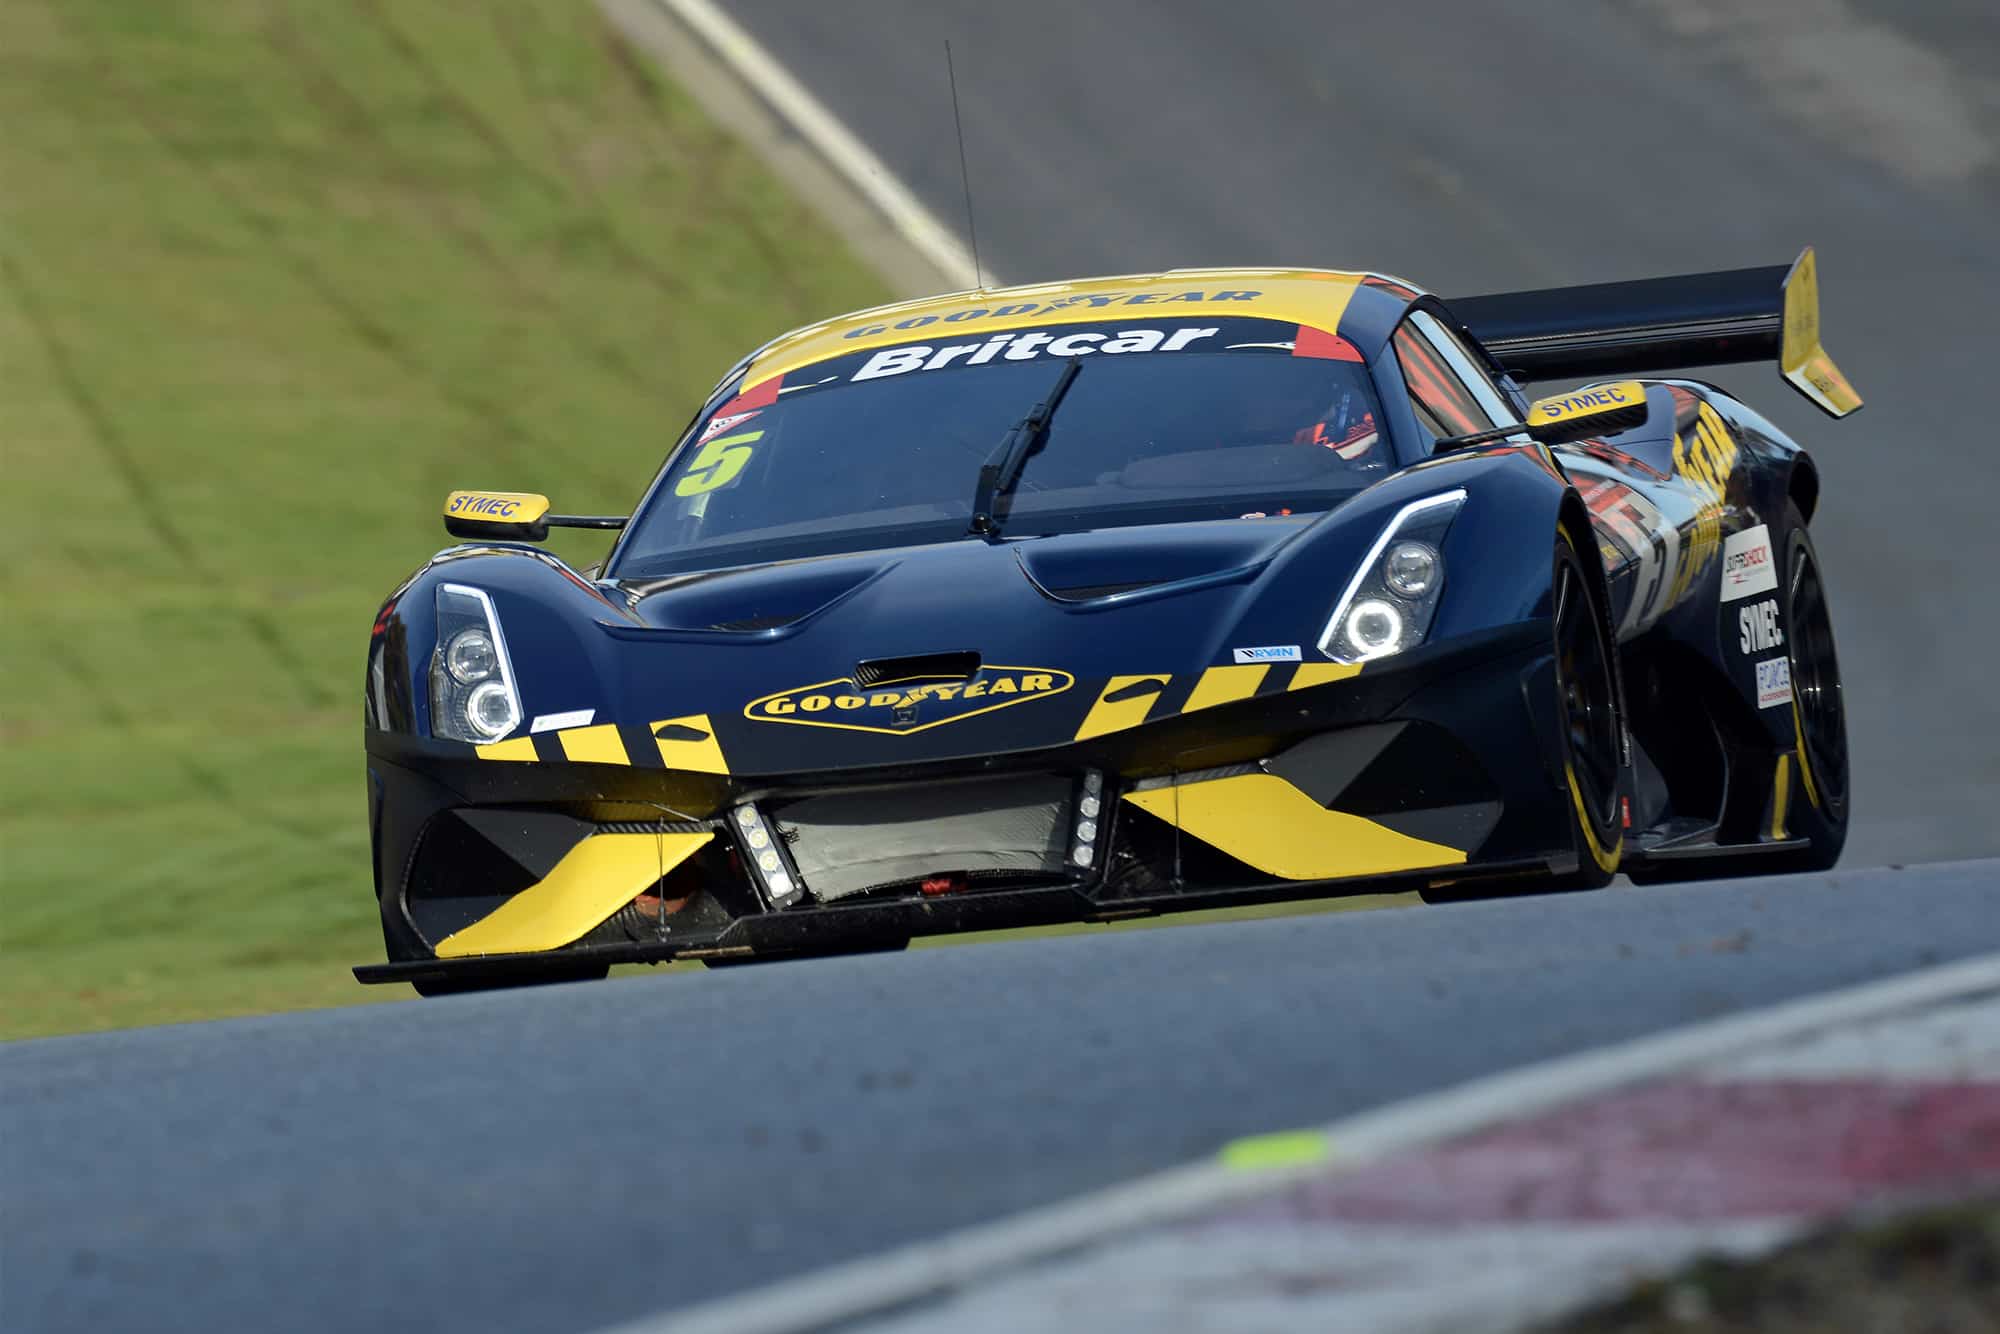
(1075, 301)
(496, 506)
(901, 707)
(1590, 402)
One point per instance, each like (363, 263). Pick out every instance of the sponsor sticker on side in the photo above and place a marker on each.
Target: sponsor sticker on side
(553, 722)
(1268, 653)
(1747, 567)
(1757, 628)
(1774, 682)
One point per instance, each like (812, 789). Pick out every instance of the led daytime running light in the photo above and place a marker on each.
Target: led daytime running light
(1370, 593)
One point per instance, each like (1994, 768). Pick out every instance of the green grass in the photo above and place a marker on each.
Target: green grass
(274, 277)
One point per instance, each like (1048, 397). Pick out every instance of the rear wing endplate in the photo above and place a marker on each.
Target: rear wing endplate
(1665, 324)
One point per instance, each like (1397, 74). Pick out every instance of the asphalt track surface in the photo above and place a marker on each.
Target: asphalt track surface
(1474, 147)
(559, 1160)
(563, 1160)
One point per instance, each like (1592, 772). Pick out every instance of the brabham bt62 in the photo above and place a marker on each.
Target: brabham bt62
(1124, 596)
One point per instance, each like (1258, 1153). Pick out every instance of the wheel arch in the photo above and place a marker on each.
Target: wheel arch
(1803, 485)
(1573, 517)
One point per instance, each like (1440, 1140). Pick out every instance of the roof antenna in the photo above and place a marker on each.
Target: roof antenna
(971, 228)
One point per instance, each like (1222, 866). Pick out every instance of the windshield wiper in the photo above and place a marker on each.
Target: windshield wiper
(1002, 470)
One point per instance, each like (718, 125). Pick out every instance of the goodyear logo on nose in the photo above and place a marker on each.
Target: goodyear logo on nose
(901, 707)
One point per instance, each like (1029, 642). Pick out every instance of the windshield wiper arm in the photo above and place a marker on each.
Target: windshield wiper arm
(1002, 470)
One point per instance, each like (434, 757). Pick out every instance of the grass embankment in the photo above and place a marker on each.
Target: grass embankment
(274, 276)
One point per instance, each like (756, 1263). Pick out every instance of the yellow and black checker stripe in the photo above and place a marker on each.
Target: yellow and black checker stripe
(1128, 700)
(687, 743)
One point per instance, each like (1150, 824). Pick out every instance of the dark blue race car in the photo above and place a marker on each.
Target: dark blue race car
(1128, 596)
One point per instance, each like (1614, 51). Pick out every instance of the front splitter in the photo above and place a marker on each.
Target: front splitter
(856, 927)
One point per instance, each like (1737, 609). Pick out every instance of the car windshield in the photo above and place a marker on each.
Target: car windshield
(1227, 418)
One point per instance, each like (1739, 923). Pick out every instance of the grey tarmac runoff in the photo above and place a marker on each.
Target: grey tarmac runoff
(1478, 148)
(581, 1156)
(576, 1157)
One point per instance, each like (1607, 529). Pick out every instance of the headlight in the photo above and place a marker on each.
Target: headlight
(470, 657)
(473, 696)
(1410, 569)
(1389, 604)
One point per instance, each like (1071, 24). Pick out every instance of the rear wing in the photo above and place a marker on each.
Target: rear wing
(1665, 324)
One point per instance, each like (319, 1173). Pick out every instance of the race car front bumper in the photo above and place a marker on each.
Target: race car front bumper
(1435, 771)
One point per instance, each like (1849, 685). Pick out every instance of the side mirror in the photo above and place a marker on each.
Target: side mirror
(1599, 410)
(519, 515)
(1603, 409)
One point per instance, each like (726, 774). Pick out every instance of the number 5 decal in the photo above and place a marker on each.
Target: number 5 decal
(717, 463)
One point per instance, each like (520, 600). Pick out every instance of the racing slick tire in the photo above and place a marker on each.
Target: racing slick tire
(1819, 708)
(1590, 736)
(1818, 809)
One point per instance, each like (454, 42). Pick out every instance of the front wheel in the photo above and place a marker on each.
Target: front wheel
(1590, 736)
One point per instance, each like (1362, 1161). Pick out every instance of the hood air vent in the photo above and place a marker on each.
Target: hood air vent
(751, 624)
(928, 666)
(1091, 592)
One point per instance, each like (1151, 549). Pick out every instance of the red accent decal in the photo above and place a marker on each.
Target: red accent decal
(942, 884)
(1391, 286)
(756, 396)
(1319, 343)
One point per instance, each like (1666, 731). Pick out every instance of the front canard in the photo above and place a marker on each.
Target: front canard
(902, 707)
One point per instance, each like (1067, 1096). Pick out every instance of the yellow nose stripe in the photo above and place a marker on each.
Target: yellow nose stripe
(594, 745)
(689, 743)
(1321, 673)
(1221, 685)
(1119, 706)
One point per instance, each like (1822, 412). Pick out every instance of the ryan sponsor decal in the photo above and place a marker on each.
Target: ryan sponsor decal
(1747, 566)
(1268, 653)
(555, 722)
(902, 707)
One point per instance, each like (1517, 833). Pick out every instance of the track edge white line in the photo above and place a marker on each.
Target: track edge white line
(829, 137)
(927, 1270)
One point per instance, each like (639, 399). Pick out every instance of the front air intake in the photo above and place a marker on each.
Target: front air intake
(918, 666)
